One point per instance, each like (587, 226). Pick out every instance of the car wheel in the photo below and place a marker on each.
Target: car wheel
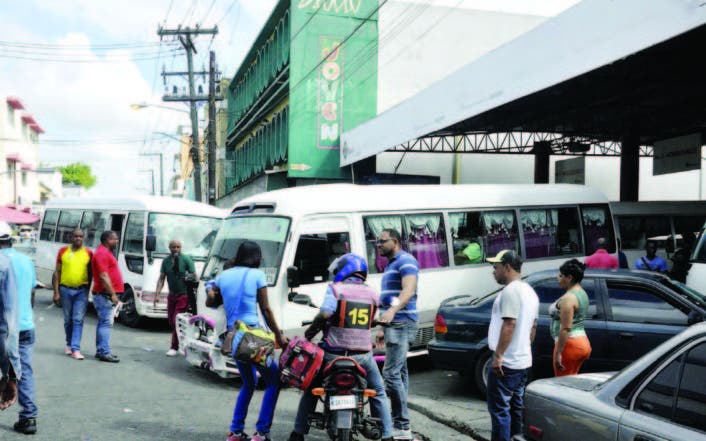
(128, 313)
(481, 372)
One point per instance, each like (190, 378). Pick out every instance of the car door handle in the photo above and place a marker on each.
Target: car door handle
(643, 438)
(626, 335)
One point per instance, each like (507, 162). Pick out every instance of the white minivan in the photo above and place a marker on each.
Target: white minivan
(133, 219)
(308, 227)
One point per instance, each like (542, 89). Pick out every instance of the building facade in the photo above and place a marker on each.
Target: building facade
(19, 155)
(301, 84)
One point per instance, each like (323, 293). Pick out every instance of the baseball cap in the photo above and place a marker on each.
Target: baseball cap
(5, 231)
(506, 257)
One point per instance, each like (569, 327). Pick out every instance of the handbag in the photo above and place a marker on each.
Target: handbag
(251, 344)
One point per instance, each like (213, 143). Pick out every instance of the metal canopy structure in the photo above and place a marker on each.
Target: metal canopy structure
(601, 73)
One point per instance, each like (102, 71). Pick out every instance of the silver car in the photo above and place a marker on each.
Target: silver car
(659, 397)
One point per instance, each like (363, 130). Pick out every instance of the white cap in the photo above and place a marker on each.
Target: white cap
(5, 231)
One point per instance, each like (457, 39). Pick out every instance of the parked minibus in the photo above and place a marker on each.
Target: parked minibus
(302, 230)
(669, 223)
(133, 219)
(696, 278)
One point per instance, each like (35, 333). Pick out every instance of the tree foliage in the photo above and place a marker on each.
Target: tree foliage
(79, 174)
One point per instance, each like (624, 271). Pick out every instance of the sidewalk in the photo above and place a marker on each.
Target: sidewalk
(468, 417)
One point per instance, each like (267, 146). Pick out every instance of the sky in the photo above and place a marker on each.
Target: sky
(78, 65)
(111, 57)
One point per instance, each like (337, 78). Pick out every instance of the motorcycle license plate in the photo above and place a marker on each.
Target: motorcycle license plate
(338, 402)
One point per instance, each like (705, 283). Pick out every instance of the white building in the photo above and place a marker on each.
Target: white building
(19, 155)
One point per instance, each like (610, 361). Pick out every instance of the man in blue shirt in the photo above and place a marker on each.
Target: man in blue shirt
(651, 261)
(399, 309)
(10, 368)
(25, 280)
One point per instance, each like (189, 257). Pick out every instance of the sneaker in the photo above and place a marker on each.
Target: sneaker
(68, 350)
(27, 426)
(237, 436)
(172, 353)
(77, 355)
(400, 434)
(109, 358)
(294, 436)
(261, 437)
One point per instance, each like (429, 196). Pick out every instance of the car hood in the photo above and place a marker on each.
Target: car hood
(584, 382)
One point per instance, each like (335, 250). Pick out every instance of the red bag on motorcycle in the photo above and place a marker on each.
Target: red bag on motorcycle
(300, 362)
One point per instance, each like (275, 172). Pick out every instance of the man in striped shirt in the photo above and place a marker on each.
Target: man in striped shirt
(399, 309)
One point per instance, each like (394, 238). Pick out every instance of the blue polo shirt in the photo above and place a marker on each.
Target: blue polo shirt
(402, 265)
(25, 280)
(657, 264)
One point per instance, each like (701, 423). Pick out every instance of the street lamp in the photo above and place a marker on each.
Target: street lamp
(138, 106)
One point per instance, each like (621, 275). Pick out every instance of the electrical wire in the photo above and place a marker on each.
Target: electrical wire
(208, 11)
(227, 12)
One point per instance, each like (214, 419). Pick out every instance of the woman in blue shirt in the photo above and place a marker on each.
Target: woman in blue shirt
(243, 288)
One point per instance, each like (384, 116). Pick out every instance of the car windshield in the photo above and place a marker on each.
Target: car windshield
(691, 293)
(270, 232)
(196, 233)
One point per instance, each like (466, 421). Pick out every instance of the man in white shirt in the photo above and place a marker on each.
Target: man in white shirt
(512, 327)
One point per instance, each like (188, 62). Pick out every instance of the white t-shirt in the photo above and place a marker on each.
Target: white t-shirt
(518, 301)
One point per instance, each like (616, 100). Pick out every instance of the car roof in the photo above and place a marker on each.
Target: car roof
(607, 273)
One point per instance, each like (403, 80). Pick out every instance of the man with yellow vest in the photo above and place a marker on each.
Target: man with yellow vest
(72, 277)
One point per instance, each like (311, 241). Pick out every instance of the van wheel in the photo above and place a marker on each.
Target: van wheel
(481, 373)
(128, 314)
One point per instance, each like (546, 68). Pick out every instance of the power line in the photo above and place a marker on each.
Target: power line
(227, 12)
(208, 11)
(106, 46)
(82, 60)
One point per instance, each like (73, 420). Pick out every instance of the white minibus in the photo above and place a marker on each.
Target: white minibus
(666, 222)
(133, 218)
(308, 227)
(696, 278)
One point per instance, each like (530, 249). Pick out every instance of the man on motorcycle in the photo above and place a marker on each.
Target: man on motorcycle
(346, 317)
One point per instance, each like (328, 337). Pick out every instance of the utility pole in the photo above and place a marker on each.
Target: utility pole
(185, 37)
(161, 171)
(212, 129)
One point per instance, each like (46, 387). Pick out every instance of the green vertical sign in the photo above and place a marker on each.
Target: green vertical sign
(332, 81)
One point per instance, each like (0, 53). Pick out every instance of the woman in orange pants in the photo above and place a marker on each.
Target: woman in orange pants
(571, 347)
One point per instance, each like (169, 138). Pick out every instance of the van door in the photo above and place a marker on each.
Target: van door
(117, 221)
(318, 242)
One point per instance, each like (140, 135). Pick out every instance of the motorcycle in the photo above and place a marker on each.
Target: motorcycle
(345, 397)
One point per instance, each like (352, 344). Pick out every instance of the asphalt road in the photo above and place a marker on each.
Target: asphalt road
(149, 396)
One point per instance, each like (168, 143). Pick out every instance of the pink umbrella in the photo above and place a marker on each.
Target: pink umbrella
(12, 216)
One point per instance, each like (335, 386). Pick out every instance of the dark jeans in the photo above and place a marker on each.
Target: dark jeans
(25, 387)
(175, 305)
(505, 402)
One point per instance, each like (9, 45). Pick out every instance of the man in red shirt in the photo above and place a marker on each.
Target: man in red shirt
(601, 258)
(107, 285)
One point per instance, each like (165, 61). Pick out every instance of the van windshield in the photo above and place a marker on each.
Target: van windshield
(196, 233)
(270, 232)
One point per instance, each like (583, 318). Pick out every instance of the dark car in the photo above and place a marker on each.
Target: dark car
(630, 313)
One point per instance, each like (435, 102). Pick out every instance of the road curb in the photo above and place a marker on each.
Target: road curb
(451, 422)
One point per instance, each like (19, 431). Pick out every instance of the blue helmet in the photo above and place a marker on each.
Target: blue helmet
(349, 265)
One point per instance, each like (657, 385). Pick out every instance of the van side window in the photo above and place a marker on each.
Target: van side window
(373, 227)
(597, 223)
(466, 232)
(315, 252)
(500, 232)
(423, 236)
(93, 225)
(134, 233)
(551, 232)
(49, 225)
(69, 220)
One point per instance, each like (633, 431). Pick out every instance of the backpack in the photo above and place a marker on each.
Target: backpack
(300, 362)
